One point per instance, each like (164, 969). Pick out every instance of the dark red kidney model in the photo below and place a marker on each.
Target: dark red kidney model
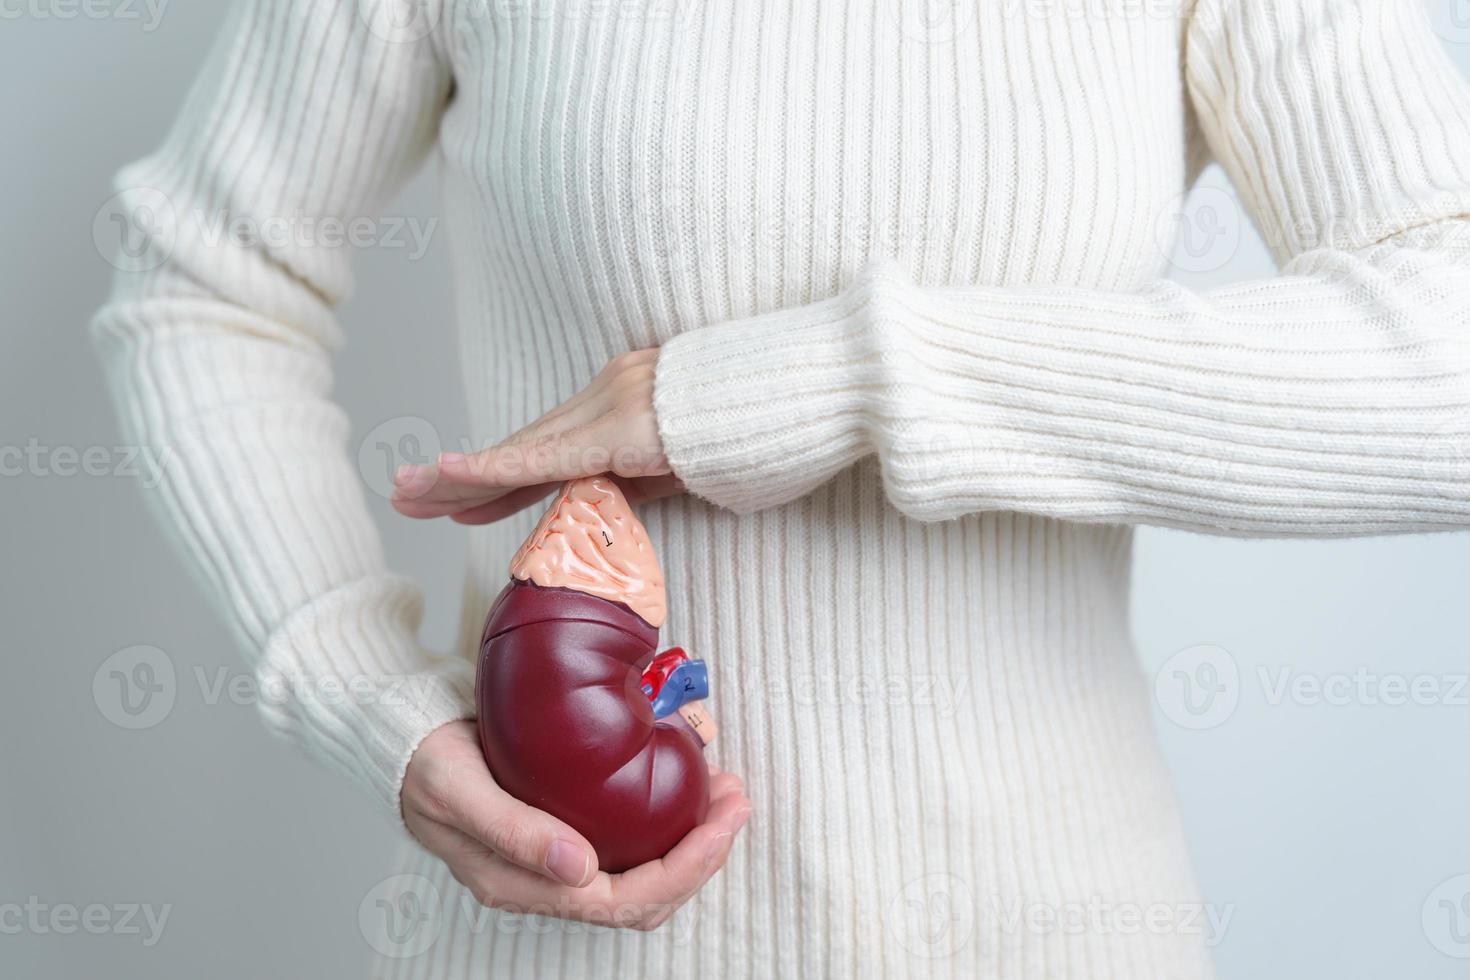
(577, 716)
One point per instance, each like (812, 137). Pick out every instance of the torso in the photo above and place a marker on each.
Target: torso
(938, 724)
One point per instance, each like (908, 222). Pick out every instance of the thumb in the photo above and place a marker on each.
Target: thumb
(523, 835)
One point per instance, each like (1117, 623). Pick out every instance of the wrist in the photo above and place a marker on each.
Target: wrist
(756, 412)
(355, 687)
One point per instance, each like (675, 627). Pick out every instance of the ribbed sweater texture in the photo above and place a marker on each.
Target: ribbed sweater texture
(920, 371)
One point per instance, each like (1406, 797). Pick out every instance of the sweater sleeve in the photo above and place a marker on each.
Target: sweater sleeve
(215, 344)
(1331, 400)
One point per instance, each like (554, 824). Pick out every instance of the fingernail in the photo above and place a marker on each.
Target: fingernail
(451, 458)
(568, 862)
(405, 473)
(716, 847)
(742, 815)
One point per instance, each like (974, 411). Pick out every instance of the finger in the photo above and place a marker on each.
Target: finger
(494, 881)
(552, 456)
(521, 834)
(667, 882)
(458, 482)
(411, 481)
(445, 490)
(722, 784)
(636, 489)
(719, 787)
(482, 505)
(606, 900)
(639, 489)
(434, 490)
(425, 509)
(512, 502)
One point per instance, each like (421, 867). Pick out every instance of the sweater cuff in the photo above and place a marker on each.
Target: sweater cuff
(757, 412)
(346, 678)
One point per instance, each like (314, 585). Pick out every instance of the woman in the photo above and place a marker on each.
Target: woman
(867, 306)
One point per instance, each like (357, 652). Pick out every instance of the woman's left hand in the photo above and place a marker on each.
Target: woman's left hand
(607, 427)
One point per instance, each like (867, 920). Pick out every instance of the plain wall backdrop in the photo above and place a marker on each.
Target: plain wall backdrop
(1331, 826)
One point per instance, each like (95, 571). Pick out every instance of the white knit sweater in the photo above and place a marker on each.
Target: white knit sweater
(919, 372)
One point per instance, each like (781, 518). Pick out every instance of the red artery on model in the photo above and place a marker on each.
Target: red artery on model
(564, 721)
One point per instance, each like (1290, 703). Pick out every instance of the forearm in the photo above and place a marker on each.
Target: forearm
(1333, 400)
(266, 504)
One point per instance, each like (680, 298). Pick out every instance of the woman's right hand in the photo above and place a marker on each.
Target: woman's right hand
(514, 857)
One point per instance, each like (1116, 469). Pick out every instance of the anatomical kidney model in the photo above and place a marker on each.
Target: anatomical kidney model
(577, 715)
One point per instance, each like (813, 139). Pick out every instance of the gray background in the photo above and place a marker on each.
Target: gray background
(1325, 828)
